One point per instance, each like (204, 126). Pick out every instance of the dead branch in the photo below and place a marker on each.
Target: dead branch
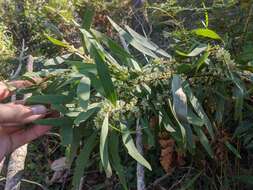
(139, 169)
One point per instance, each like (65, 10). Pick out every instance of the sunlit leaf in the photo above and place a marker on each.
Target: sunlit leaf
(204, 32)
(104, 75)
(83, 92)
(130, 146)
(104, 153)
(57, 42)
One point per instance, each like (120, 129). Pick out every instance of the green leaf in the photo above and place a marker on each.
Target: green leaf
(196, 51)
(198, 108)
(114, 47)
(202, 60)
(57, 60)
(129, 39)
(78, 133)
(179, 124)
(204, 32)
(179, 98)
(55, 122)
(147, 43)
(49, 99)
(82, 67)
(83, 92)
(83, 116)
(89, 13)
(115, 158)
(104, 75)
(204, 141)
(82, 160)
(66, 132)
(166, 121)
(104, 154)
(57, 42)
(233, 149)
(194, 119)
(130, 146)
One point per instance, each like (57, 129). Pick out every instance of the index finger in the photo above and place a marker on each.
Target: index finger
(5, 90)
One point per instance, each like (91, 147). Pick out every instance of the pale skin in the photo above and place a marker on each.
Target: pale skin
(14, 116)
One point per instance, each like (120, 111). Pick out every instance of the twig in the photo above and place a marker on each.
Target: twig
(20, 59)
(139, 169)
(17, 160)
(28, 181)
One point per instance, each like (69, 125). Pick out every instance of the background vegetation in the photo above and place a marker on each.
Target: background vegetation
(105, 79)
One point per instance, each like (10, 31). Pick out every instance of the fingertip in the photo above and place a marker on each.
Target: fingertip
(39, 110)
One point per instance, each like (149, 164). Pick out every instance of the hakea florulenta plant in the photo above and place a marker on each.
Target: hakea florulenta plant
(102, 91)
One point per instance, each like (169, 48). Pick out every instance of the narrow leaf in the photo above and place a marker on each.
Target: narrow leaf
(130, 146)
(104, 75)
(49, 99)
(115, 158)
(55, 122)
(233, 149)
(147, 43)
(88, 17)
(204, 32)
(57, 42)
(204, 141)
(82, 161)
(83, 92)
(104, 154)
(83, 116)
(198, 108)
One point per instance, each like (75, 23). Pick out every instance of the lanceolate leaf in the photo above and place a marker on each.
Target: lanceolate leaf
(233, 149)
(115, 158)
(88, 17)
(198, 108)
(104, 154)
(57, 42)
(49, 99)
(179, 98)
(129, 39)
(66, 132)
(64, 123)
(130, 146)
(55, 122)
(82, 160)
(196, 51)
(78, 133)
(83, 116)
(204, 141)
(204, 32)
(147, 43)
(104, 75)
(83, 92)
(179, 124)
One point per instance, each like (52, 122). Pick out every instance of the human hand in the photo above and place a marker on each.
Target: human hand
(14, 116)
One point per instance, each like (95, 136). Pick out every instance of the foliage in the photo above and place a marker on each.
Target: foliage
(102, 88)
(194, 104)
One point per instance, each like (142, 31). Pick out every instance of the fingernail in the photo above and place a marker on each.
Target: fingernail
(39, 109)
